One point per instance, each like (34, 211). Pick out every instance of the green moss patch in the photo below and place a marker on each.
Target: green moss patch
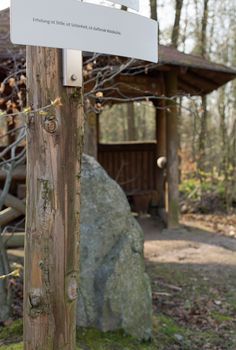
(18, 346)
(92, 339)
(15, 330)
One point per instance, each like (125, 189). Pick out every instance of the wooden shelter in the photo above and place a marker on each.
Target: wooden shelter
(175, 74)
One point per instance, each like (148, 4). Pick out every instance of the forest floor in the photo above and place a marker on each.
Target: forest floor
(193, 276)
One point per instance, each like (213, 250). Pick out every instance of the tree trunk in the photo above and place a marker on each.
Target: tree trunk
(154, 15)
(225, 163)
(131, 122)
(176, 28)
(204, 116)
(204, 28)
(153, 7)
(54, 151)
(203, 136)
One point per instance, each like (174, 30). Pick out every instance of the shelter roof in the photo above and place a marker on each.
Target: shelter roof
(196, 75)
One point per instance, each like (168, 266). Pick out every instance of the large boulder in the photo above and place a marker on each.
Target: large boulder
(115, 291)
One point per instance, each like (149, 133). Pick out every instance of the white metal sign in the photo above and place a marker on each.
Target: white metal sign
(70, 24)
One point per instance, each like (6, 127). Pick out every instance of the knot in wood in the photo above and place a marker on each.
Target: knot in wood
(51, 125)
(35, 298)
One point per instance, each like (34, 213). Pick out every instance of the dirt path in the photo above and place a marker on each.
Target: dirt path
(193, 274)
(188, 245)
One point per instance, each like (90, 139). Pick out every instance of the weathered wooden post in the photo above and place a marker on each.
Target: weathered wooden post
(53, 197)
(172, 150)
(161, 146)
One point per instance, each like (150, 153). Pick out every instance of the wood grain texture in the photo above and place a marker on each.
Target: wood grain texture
(54, 146)
(161, 144)
(131, 164)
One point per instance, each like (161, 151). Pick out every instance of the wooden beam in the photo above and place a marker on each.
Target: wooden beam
(145, 84)
(14, 202)
(198, 82)
(15, 240)
(19, 174)
(129, 86)
(54, 146)
(8, 215)
(171, 84)
(183, 86)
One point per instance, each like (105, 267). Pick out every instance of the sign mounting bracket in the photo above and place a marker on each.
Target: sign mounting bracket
(72, 66)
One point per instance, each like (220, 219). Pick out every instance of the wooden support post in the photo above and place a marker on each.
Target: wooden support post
(171, 84)
(54, 146)
(161, 150)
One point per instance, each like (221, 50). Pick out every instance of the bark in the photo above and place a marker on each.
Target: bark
(225, 164)
(204, 116)
(54, 146)
(176, 27)
(202, 136)
(154, 15)
(153, 7)
(131, 122)
(204, 29)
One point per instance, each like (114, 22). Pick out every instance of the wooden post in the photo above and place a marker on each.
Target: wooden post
(171, 84)
(161, 150)
(53, 205)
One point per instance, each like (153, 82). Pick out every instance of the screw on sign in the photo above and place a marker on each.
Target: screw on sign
(74, 77)
(55, 147)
